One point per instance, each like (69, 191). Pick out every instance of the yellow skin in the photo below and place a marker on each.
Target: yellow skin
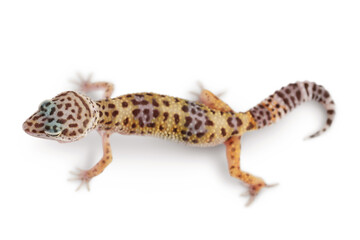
(69, 116)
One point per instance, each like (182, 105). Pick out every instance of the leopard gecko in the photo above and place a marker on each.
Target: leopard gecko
(207, 122)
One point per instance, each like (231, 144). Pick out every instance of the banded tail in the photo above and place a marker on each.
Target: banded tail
(289, 97)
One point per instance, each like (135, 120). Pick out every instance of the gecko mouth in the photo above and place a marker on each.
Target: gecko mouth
(32, 131)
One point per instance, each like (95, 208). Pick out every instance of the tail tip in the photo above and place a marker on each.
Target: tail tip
(318, 133)
(312, 136)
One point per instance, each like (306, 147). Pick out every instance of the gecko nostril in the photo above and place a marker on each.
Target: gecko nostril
(26, 126)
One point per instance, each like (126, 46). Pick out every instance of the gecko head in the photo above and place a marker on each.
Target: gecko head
(67, 117)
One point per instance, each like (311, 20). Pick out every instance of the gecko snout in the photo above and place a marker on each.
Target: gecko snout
(34, 125)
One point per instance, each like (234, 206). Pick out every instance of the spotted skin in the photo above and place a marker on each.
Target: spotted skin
(207, 122)
(168, 117)
(233, 147)
(287, 98)
(67, 117)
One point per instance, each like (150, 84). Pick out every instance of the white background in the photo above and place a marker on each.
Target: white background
(156, 189)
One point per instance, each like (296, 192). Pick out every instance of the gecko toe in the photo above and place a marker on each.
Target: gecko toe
(253, 191)
(82, 82)
(83, 176)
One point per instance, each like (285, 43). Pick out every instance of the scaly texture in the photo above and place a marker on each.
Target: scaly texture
(169, 117)
(69, 116)
(289, 97)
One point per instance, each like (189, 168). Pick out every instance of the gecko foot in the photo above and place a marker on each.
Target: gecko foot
(202, 88)
(84, 83)
(83, 176)
(254, 190)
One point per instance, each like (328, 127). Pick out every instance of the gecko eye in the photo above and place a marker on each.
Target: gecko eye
(53, 134)
(44, 105)
(53, 129)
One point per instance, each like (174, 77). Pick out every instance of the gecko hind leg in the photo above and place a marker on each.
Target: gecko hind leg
(233, 147)
(213, 101)
(255, 184)
(86, 85)
(204, 91)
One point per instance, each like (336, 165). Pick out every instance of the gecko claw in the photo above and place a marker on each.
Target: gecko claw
(250, 201)
(83, 82)
(83, 176)
(271, 185)
(251, 196)
(202, 88)
(254, 190)
(222, 93)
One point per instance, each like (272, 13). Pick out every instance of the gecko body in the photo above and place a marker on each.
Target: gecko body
(207, 122)
(169, 117)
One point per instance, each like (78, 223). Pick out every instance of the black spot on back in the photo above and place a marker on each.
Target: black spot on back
(176, 118)
(135, 112)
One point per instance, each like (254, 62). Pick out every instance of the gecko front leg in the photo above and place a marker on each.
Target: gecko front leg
(86, 175)
(86, 85)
